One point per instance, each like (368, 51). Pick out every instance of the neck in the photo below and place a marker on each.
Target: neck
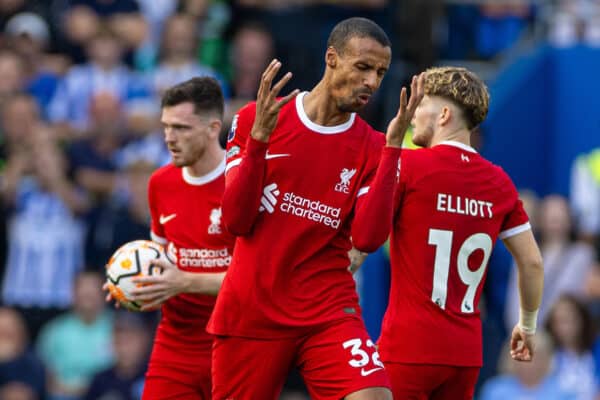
(460, 135)
(321, 109)
(208, 162)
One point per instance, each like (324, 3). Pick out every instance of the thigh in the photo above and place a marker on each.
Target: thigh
(167, 388)
(249, 369)
(415, 381)
(192, 381)
(459, 386)
(339, 360)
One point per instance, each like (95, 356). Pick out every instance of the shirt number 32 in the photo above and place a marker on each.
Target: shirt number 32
(360, 356)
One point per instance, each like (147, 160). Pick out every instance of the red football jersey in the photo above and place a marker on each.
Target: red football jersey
(186, 217)
(451, 206)
(291, 271)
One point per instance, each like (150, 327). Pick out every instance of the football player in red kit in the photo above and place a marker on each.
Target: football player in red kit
(450, 207)
(305, 174)
(185, 205)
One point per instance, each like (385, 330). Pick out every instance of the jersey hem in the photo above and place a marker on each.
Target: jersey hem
(514, 231)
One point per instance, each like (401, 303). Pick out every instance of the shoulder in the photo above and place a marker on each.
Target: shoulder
(374, 138)
(164, 174)
(247, 110)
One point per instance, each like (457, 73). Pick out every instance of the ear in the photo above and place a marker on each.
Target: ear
(331, 57)
(214, 128)
(445, 116)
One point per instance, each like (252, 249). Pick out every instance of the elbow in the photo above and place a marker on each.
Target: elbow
(236, 228)
(536, 263)
(367, 244)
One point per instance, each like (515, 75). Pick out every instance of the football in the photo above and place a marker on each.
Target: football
(131, 260)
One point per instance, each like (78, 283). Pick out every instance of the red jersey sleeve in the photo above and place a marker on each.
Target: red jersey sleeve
(156, 230)
(244, 174)
(375, 201)
(515, 222)
(238, 135)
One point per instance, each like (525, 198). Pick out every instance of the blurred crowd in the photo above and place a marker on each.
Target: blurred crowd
(80, 83)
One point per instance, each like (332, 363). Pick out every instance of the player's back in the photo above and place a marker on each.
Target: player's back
(451, 206)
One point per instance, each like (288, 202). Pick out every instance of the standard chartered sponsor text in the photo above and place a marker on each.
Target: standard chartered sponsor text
(312, 210)
(207, 258)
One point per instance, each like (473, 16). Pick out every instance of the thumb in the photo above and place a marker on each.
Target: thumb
(163, 263)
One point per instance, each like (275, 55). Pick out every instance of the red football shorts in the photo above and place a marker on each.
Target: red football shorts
(334, 361)
(432, 382)
(166, 381)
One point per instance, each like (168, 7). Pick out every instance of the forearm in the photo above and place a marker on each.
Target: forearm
(243, 190)
(76, 202)
(531, 285)
(373, 217)
(530, 273)
(208, 283)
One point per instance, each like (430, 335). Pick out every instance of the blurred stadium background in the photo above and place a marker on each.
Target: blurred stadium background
(79, 136)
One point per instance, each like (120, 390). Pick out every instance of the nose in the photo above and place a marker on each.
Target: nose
(371, 80)
(169, 135)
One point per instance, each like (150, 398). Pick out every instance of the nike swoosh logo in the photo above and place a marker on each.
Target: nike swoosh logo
(369, 372)
(270, 156)
(164, 219)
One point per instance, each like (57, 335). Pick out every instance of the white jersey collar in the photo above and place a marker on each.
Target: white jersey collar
(326, 130)
(459, 145)
(201, 180)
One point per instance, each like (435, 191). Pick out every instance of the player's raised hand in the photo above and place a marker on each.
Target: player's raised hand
(399, 124)
(156, 289)
(109, 298)
(521, 345)
(267, 104)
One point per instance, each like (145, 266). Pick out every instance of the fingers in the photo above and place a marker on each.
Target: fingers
(267, 78)
(279, 85)
(402, 107)
(164, 264)
(417, 91)
(287, 98)
(154, 305)
(147, 280)
(269, 94)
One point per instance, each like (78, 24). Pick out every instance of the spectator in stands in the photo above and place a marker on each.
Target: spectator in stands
(17, 391)
(527, 380)
(501, 25)
(21, 371)
(45, 233)
(252, 49)
(104, 73)
(178, 60)
(29, 35)
(12, 77)
(585, 195)
(121, 219)
(77, 345)
(574, 21)
(124, 380)
(571, 327)
(566, 262)
(85, 18)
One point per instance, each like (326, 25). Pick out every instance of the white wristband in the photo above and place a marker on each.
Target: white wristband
(528, 321)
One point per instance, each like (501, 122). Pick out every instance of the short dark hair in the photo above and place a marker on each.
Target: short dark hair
(356, 27)
(203, 92)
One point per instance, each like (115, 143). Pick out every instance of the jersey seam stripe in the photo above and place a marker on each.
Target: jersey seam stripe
(158, 239)
(362, 190)
(232, 164)
(514, 231)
